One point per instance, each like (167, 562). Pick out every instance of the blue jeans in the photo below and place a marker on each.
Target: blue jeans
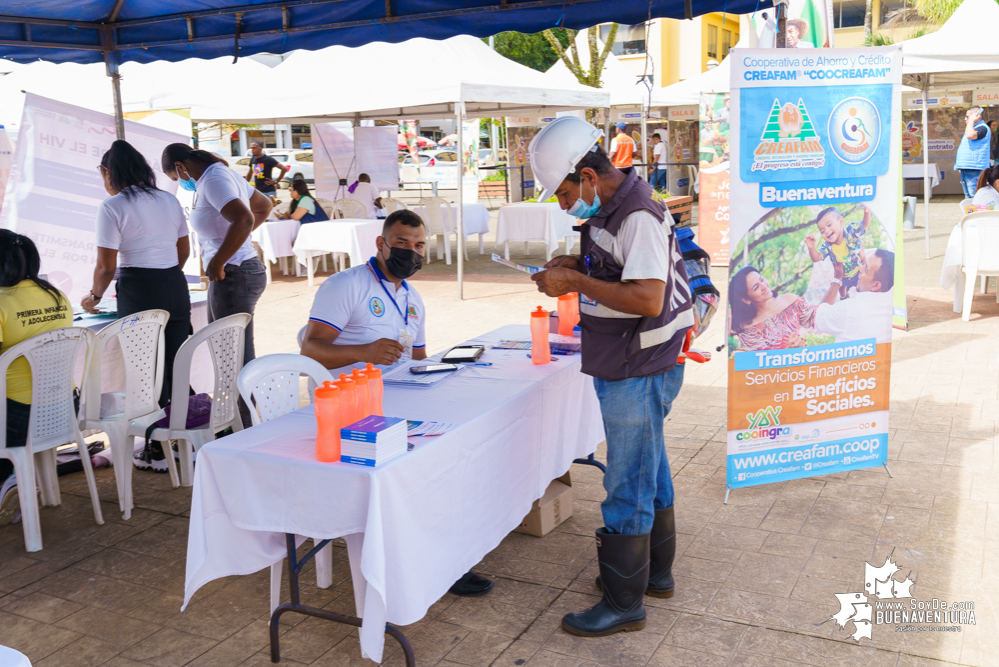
(969, 181)
(638, 479)
(657, 178)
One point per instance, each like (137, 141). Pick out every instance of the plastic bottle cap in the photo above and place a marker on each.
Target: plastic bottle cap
(345, 382)
(540, 312)
(359, 377)
(328, 390)
(373, 372)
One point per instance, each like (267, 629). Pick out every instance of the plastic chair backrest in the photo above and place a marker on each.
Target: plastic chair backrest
(392, 205)
(301, 335)
(350, 208)
(433, 215)
(52, 356)
(272, 383)
(225, 340)
(980, 241)
(326, 205)
(140, 337)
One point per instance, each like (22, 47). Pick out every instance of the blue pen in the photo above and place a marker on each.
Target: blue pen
(529, 356)
(488, 364)
(586, 258)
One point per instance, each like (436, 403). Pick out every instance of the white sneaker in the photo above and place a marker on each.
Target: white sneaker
(146, 459)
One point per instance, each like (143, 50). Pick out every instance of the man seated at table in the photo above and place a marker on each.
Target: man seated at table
(366, 193)
(359, 315)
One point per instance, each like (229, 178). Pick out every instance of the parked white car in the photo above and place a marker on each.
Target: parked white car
(299, 163)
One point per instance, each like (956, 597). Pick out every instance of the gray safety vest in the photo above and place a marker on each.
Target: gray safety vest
(618, 345)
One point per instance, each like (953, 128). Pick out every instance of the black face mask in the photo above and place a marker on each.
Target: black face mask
(403, 263)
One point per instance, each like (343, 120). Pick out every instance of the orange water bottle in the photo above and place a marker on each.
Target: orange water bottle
(327, 409)
(348, 400)
(375, 389)
(541, 353)
(363, 394)
(568, 313)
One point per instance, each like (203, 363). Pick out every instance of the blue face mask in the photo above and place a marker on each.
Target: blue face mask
(581, 209)
(188, 184)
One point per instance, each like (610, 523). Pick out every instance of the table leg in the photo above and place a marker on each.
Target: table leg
(294, 570)
(527, 248)
(506, 251)
(311, 269)
(590, 461)
(482, 244)
(268, 266)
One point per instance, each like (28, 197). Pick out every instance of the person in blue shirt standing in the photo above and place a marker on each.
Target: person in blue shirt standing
(974, 153)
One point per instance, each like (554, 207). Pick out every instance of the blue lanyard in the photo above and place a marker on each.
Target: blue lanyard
(403, 315)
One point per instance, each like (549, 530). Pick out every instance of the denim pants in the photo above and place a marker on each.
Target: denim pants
(969, 181)
(657, 177)
(238, 292)
(637, 480)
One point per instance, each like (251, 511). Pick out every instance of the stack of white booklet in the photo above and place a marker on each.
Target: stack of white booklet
(373, 440)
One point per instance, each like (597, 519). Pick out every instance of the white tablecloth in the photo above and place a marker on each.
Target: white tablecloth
(276, 238)
(113, 364)
(535, 222)
(354, 237)
(415, 524)
(913, 172)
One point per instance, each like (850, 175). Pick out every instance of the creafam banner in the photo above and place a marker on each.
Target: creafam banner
(814, 199)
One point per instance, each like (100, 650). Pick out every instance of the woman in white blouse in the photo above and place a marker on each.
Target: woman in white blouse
(226, 209)
(988, 188)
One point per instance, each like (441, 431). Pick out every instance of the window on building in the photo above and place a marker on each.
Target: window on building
(849, 13)
(726, 42)
(712, 49)
(630, 39)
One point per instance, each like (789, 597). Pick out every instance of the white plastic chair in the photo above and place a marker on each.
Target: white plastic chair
(141, 339)
(392, 205)
(433, 214)
(225, 340)
(964, 203)
(350, 208)
(52, 357)
(979, 253)
(270, 386)
(326, 205)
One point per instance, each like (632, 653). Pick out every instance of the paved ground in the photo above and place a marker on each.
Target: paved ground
(755, 578)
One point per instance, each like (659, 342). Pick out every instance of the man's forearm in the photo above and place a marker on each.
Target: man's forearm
(331, 355)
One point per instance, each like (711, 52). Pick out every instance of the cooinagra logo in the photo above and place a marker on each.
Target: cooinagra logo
(789, 140)
(880, 582)
(768, 416)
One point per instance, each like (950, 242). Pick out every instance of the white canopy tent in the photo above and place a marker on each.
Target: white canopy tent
(962, 53)
(420, 78)
(688, 91)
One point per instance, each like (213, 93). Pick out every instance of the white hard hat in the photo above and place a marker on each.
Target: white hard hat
(557, 148)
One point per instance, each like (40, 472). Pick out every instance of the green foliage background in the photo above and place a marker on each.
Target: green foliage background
(530, 50)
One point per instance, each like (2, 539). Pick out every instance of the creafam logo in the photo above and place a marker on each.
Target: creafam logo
(412, 312)
(376, 306)
(854, 130)
(789, 140)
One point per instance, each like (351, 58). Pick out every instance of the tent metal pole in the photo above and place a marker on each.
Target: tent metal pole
(645, 139)
(459, 114)
(111, 67)
(926, 168)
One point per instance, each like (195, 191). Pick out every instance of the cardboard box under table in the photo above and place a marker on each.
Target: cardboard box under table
(549, 510)
(415, 524)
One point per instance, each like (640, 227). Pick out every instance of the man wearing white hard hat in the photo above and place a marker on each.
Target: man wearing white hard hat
(635, 309)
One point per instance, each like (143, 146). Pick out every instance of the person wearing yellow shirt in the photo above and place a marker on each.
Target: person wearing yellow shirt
(29, 306)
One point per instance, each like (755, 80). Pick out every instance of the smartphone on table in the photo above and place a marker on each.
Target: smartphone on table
(432, 368)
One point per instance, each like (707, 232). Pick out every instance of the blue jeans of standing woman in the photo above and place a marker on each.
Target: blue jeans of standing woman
(638, 480)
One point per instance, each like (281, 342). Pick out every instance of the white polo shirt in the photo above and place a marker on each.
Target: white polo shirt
(218, 186)
(364, 306)
(142, 226)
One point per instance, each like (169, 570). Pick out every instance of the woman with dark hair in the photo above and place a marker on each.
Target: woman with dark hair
(763, 320)
(226, 209)
(304, 206)
(142, 230)
(987, 192)
(22, 291)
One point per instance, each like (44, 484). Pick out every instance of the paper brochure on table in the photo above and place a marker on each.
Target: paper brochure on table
(400, 375)
(428, 428)
(519, 267)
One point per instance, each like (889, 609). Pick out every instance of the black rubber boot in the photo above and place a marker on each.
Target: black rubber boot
(624, 566)
(662, 551)
(471, 585)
